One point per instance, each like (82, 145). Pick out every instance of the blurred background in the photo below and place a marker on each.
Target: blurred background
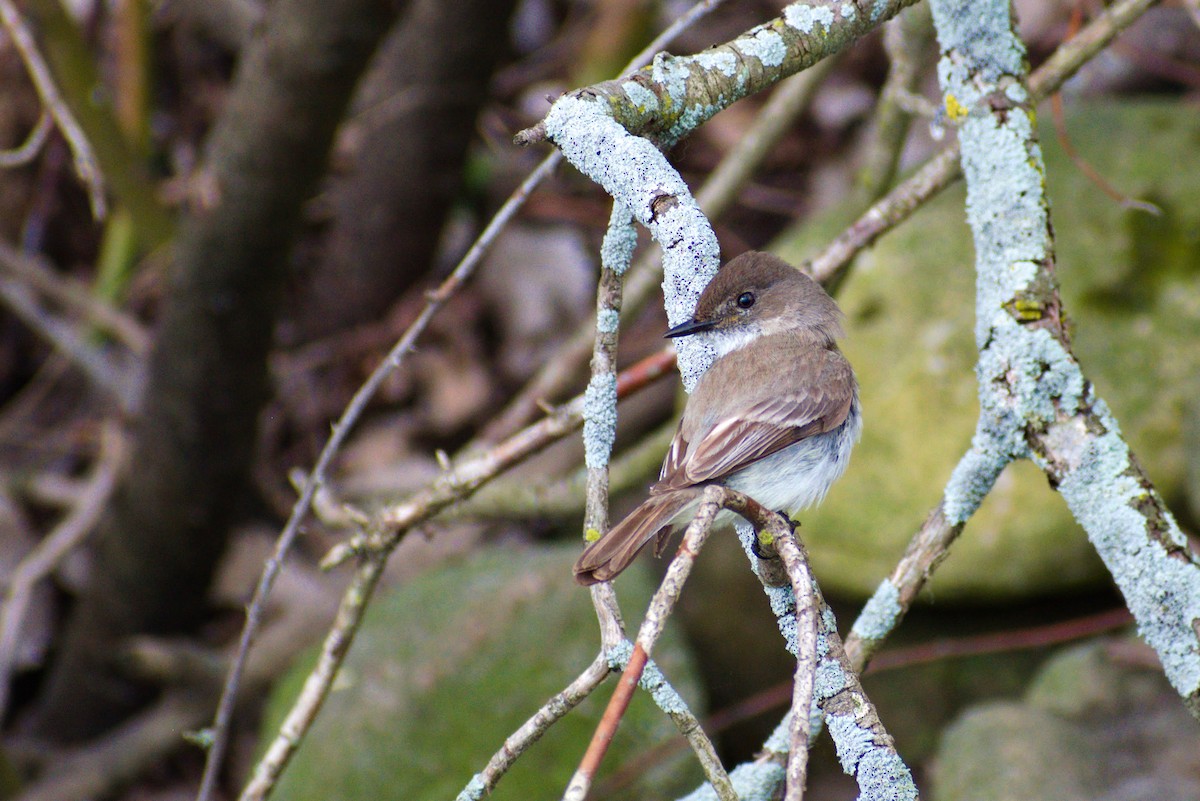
(284, 182)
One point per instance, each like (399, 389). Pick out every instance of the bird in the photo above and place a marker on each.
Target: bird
(775, 417)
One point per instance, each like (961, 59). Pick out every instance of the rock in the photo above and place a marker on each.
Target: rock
(1094, 726)
(449, 664)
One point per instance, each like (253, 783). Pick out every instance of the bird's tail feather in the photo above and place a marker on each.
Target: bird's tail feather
(612, 553)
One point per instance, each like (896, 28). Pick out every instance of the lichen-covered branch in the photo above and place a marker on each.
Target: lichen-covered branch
(865, 749)
(1034, 399)
(600, 400)
(943, 169)
(975, 473)
(673, 96)
(804, 590)
(592, 127)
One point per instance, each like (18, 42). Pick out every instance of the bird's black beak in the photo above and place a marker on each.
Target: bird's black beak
(690, 327)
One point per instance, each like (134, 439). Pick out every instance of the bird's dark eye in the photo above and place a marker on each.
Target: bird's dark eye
(745, 300)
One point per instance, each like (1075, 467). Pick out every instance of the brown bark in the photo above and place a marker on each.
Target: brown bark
(416, 118)
(207, 376)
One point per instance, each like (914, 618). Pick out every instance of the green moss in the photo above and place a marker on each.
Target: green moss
(450, 664)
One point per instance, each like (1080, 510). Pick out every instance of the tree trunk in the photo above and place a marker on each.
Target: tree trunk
(207, 376)
(416, 115)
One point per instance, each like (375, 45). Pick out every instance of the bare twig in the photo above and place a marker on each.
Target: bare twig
(906, 40)
(76, 298)
(28, 150)
(789, 100)
(65, 537)
(86, 165)
(316, 686)
(518, 742)
(100, 368)
(556, 497)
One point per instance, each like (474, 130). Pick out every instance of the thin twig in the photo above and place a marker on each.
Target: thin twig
(86, 166)
(316, 687)
(906, 41)
(65, 537)
(600, 404)
(1084, 166)
(556, 497)
(75, 297)
(100, 367)
(518, 742)
(28, 150)
(800, 573)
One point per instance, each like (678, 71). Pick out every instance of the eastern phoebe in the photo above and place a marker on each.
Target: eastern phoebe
(774, 417)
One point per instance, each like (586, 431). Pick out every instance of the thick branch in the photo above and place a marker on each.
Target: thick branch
(1034, 399)
(676, 94)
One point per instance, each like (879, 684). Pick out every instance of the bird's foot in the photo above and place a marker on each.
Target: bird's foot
(763, 545)
(792, 524)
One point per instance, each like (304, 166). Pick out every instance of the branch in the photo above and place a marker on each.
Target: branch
(906, 41)
(677, 94)
(943, 169)
(1035, 401)
(28, 150)
(865, 749)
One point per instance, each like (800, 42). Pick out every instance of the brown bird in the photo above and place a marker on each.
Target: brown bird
(774, 417)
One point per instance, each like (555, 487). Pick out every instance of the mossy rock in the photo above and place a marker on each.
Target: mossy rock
(1093, 724)
(450, 664)
(1131, 286)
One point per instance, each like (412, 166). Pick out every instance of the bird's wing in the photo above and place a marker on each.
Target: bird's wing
(796, 407)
